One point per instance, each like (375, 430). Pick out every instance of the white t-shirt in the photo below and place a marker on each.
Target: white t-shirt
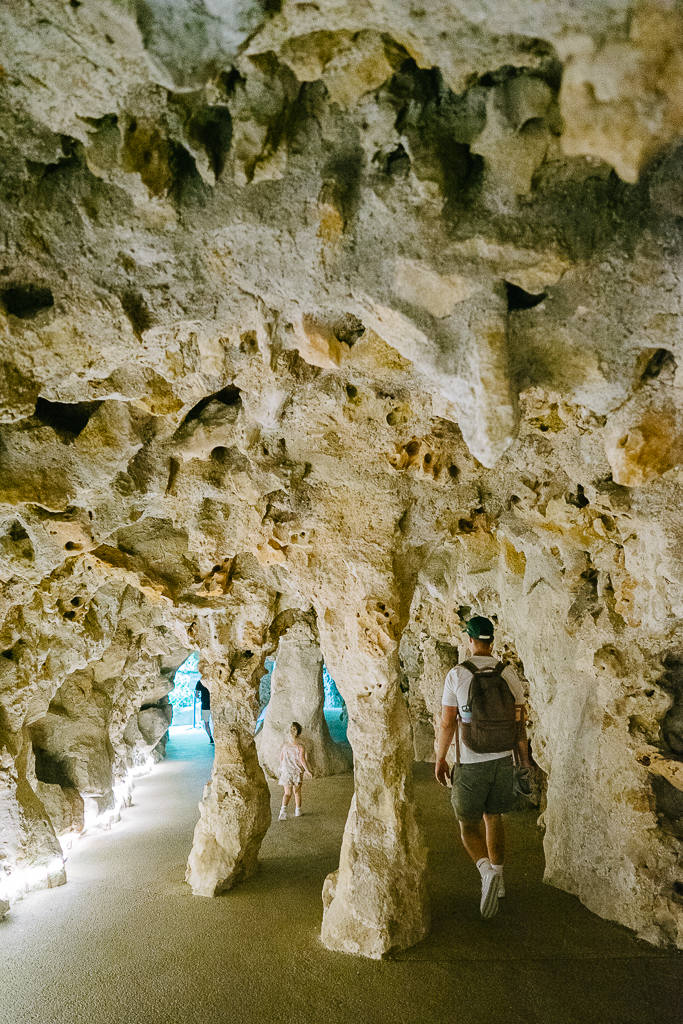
(456, 693)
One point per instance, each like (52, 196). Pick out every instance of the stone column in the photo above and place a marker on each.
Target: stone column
(297, 695)
(376, 901)
(235, 809)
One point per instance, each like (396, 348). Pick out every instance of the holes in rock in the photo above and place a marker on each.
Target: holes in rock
(16, 542)
(578, 498)
(248, 343)
(453, 472)
(14, 653)
(659, 362)
(248, 654)
(412, 448)
(398, 163)
(519, 299)
(219, 453)
(49, 768)
(669, 799)
(66, 418)
(211, 128)
(678, 888)
(71, 545)
(229, 395)
(465, 525)
(135, 308)
(348, 329)
(75, 601)
(71, 615)
(162, 163)
(351, 391)
(26, 301)
(587, 600)
(428, 458)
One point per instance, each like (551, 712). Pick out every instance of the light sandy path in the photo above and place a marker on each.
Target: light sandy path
(126, 943)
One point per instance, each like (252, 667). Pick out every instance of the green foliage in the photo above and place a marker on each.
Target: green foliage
(185, 681)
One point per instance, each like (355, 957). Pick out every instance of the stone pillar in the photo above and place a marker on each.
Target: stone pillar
(297, 695)
(31, 854)
(376, 901)
(235, 809)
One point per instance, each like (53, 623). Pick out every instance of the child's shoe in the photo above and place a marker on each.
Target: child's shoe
(283, 814)
(298, 812)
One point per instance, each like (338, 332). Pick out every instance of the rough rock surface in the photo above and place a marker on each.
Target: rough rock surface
(297, 694)
(365, 313)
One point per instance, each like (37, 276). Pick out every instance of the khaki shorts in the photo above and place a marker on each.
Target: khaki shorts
(206, 715)
(484, 787)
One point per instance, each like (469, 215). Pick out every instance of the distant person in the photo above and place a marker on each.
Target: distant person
(293, 767)
(483, 707)
(206, 708)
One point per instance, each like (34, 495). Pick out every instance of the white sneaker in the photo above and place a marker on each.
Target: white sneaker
(490, 889)
(283, 814)
(298, 812)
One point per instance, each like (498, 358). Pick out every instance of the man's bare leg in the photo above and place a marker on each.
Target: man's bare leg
(473, 839)
(495, 838)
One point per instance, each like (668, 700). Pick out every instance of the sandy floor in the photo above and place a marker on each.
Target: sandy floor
(125, 942)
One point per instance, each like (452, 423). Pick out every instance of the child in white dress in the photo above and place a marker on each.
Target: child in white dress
(293, 767)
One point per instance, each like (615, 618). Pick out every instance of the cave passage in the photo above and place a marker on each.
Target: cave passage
(124, 942)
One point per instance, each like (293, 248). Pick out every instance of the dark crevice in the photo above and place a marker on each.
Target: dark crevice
(348, 329)
(66, 418)
(137, 311)
(207, 128)
(211, 129)
(519, 299)
(14, 653)
(229, 395)
(50, 769)
(398, 162)
(660, 361)
(26, 301)
(578, 499)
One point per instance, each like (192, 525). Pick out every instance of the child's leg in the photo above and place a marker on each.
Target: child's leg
(287, 795)
(297, 795)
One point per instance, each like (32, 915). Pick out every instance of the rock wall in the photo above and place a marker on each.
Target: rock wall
(363, 308)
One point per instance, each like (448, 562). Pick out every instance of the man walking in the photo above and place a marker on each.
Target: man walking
(482, 782)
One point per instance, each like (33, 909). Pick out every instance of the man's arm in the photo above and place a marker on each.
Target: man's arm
(447, 727)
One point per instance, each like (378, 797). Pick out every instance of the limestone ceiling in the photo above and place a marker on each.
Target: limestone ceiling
(371, 307)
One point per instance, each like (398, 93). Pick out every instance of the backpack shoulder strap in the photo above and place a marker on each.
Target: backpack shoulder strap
(470, 666)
